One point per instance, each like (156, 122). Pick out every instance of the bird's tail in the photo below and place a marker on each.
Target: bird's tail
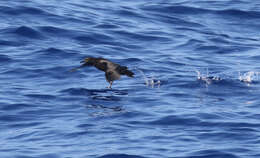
(124, 71)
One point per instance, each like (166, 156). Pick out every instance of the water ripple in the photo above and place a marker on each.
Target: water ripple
(240, 13)
(28, 32)
(120, 156)
(213, 154)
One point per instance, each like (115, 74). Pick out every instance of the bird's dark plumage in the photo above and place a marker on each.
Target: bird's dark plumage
(112, 70)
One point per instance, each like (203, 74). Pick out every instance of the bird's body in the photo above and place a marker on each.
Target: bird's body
(112, 70)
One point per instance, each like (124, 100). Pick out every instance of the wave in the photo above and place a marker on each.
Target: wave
(129, 12)
(28, 32)
(106, 26)
(54, 72)
(175, 9)
(24, 10)
(182, 10)
(141, 36)
(96, 38)
(241, 14)
(54, 54)
(54, 31)
(194, 121)
(120, 156)
(41, 96)
(15, 107)
(4, 58)
(212, 154)
(10, 43)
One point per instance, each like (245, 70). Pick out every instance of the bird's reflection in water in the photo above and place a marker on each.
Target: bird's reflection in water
(108, 95)
(105, 102)
(97, 110)
(98, 106)
(99, 102)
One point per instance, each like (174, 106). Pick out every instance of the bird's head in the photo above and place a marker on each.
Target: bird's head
(85, 62)
(88, 62)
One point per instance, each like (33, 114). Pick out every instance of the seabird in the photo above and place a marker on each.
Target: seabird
(112, 70)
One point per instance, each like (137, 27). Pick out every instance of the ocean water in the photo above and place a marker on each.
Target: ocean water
(195, 93)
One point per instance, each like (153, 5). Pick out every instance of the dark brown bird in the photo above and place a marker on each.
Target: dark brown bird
(112, 70)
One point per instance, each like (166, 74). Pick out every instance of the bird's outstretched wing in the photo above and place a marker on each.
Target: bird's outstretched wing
(101, 65)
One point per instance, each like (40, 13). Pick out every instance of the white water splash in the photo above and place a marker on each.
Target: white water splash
(150, 81)
(206, 78)
(248, 77)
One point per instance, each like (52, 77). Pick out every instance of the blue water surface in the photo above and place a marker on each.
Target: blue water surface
(205, 54)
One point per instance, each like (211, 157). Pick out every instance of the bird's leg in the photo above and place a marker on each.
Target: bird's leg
(110, 84)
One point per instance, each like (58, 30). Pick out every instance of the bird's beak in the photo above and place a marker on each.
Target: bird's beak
(85, 60)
